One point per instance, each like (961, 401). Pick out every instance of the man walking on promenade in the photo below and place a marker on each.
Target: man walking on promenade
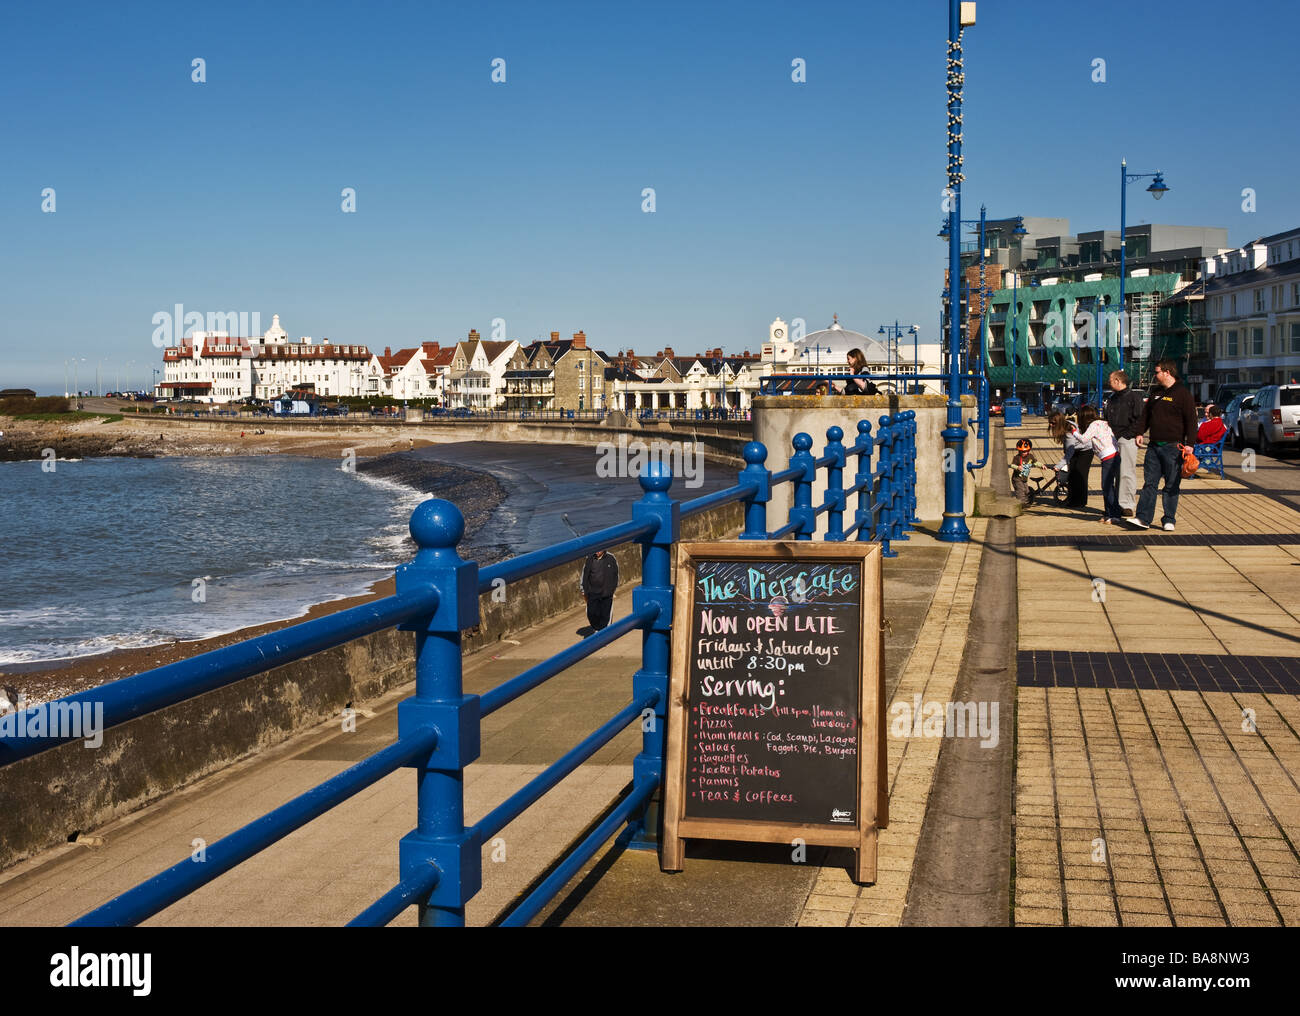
(599, 580)
(1124, 413)
(1170, 415)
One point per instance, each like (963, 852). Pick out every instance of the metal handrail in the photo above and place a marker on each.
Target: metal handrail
(438, 728)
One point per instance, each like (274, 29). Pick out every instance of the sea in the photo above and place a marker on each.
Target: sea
(112, 553)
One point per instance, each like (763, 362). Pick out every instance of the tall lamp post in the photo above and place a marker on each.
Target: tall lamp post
(1156, 190)
(893, 333)
(954, 529)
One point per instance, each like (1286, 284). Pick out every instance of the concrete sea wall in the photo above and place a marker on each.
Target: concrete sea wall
(777, 419)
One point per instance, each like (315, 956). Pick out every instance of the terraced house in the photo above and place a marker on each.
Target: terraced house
(1252, 311)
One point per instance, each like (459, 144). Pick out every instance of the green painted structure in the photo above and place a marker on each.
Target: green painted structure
(1050, 347)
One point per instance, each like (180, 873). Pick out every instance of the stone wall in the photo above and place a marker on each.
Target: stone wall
(777, 419)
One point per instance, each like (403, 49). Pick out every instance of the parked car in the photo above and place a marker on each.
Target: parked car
(1226, 393)
(1232, 415)
(461, 411)
(1273, 422)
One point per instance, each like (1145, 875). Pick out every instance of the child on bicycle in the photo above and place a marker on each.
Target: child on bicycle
(1021, 464)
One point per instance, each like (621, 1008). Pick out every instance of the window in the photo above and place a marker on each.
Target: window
(1232, 343)
(1295, 337)
(1257, 340)
(1259, 301)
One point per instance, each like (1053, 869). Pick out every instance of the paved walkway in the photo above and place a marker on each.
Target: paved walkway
(1158, 711)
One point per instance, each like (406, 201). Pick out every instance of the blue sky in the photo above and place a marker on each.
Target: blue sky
(523, 200)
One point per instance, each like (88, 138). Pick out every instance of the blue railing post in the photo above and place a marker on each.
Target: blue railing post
(898, 477)
(656, 589)
(835, 485)
(801, 511)
(864, 516)
(886, 436)
(756, 507)
(440, 837)
(910, 463)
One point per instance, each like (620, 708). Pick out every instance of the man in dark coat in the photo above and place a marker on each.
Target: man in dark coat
(599, 580)
(1170, 415)
(1124, 414)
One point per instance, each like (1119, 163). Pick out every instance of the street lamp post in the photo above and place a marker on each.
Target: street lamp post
(954, 529)
(1156, 190)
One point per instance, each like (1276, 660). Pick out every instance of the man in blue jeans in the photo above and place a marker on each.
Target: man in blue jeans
(1170, 415)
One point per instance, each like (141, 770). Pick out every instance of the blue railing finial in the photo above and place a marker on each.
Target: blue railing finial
(655, 479)
(436, 527)
(754, 453)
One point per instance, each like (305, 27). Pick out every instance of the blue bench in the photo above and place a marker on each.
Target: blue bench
(1211, 455)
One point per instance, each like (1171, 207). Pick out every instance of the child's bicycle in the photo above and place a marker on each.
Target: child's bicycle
(1043, 480)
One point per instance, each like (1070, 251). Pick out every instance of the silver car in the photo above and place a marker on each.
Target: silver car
(1237, 408)
(1273, 422)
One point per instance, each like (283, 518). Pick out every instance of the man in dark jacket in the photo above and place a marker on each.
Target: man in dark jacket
(599, 580)
(1170, 415)
(1124, 413)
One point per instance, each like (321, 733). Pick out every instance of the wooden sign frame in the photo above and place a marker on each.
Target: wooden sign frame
(873, 785)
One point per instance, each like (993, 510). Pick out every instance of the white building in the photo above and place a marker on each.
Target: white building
(217, 367)
(827, 352)
(1252, 310)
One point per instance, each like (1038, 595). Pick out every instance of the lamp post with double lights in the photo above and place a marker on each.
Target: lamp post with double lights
(893, 333)
(1156, 190)
(954, 528)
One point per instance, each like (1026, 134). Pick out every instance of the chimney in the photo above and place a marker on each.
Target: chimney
(668, 352)
(473, 335)
(579, 340)
(555, 336)
(388, 351)
(718, 352)
(747, 354)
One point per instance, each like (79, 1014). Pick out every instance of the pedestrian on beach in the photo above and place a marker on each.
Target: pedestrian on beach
(1097, 433)
(1170, 416)
(1124, 413)
(599, 580)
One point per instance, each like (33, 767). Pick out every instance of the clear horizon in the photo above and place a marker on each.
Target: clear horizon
(523, 200)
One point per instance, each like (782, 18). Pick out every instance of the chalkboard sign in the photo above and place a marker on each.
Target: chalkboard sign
(776, 715)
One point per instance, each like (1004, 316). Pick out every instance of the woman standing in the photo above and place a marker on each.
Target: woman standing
(1096, 433)
(1080, 459)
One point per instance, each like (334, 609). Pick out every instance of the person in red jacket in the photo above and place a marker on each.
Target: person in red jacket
(1213, 428)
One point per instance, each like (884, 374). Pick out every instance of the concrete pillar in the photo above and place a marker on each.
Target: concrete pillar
(778, 418)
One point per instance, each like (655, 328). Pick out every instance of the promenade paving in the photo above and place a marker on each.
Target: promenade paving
(331, 869)
(1158, 757)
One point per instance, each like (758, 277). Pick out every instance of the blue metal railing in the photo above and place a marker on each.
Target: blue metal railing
(437, 597)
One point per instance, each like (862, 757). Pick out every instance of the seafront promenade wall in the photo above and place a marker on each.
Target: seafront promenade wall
(718, 440)
(50, 797)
